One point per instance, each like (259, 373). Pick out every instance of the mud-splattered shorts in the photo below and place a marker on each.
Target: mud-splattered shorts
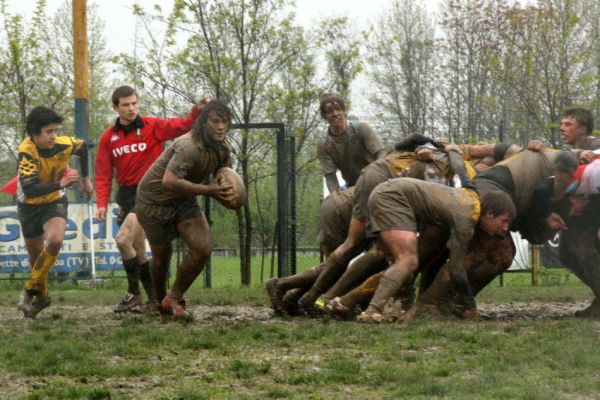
(160, 221)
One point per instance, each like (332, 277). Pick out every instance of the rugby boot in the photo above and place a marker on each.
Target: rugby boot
(275, 296)
(39, 303)
(309, 309)
(129, 302)
(148, 308)
(290, 302)
(321, 305)
(174, 307)
(592, 311)
(24, 304)
(339, 310)
(371, 317)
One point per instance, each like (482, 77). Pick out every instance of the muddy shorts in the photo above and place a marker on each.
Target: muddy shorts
(126, 201)
(334, 218)
(370, 176)
(407, 204)
(34, 216)
(160, 221)
(391, 208)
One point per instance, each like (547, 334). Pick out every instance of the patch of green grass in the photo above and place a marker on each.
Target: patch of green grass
(73, 392)
(102, 355)
(547, 359)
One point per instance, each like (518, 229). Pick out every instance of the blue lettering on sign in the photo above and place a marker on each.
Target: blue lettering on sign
(13, 230)
(71, 227)
(75, 251)
(99, 233)
(66, 262)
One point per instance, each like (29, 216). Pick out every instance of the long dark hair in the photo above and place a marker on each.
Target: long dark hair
(220, 107)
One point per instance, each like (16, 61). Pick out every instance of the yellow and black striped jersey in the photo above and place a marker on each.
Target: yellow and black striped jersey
(41, 170)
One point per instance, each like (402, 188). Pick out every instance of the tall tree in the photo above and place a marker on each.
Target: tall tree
(24, 72)
(467, 50)
(401, 66)
(341, 44)
(551, 66)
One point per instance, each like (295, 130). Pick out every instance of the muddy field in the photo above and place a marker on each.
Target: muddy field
(515, 311)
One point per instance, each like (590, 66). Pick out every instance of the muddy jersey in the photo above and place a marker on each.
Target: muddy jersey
(188, 158)
(40, 170)
(400, 164)
(403, 203)
(591, 143)
(349, 151)
(518, 176)
(405, 164)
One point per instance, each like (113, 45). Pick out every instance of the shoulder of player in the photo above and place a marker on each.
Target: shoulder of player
(67, 140)
(592, 143)
(185, 140)
(361, 127)
(26, 146)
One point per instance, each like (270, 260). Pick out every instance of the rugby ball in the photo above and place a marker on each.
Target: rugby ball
(229, 175)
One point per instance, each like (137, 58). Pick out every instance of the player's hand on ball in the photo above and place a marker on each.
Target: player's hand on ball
(231, 192)
(223, 191)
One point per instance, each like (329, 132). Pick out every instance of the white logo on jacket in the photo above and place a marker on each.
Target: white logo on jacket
(134, 148)
(114, 138)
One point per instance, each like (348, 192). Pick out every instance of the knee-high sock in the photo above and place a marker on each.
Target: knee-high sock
(391, 281)
(363, 267)
(159, 274)
(439, 291)
(188, 271)
(38, 280)
(578, 251)
(333, 268)
(302, 280)
(406, 295)
(146, 280)
(361, 295)
(292, 296)
(132, 270)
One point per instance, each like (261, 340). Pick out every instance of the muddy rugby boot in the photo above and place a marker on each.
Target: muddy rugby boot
(339, 310)
(290, 303)
(39, 303)
(275, 296)
(24, 304)
(309, 308)
(322, 305)
(129, 302)
(148, 308)
(592, 311)
(176, 308)
(371, 317)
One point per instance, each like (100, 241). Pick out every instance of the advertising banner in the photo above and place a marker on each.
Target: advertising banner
(75, 254)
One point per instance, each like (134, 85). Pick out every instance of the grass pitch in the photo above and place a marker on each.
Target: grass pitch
(531, 348)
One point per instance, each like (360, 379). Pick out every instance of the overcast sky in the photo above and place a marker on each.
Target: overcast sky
(120, 22)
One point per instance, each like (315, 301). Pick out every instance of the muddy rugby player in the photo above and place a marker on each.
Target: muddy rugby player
(126, 150)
